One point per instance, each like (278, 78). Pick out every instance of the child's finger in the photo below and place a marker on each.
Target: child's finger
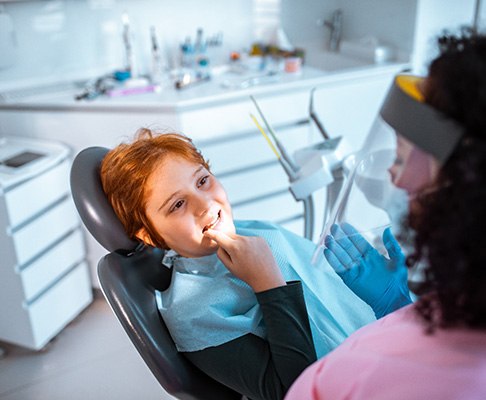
(224, 257)
(221, 238)
(213, 235)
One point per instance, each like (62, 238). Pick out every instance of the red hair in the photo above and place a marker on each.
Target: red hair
(126, 169)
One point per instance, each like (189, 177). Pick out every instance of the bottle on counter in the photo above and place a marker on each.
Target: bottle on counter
(158, 67)
(187, 54)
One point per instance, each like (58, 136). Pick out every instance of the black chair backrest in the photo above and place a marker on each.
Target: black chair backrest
(129, 279)
(93, 206)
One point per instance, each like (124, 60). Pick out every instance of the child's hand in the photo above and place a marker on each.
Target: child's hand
(249, 258)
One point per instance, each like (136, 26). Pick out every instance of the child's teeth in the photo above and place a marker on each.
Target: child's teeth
(211, 224)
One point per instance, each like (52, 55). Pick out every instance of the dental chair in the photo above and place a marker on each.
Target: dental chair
(129, 276)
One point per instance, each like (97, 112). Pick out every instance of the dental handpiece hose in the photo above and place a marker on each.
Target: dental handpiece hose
(315, 118)
(293, 176)
(283, 152)
(308, 217)
(287, 168)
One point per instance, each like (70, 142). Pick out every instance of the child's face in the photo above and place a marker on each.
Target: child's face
(183, 200)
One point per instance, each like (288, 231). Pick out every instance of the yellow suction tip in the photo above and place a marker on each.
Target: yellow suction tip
(265, 136)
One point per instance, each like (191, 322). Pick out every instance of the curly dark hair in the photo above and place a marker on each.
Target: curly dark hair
(449, 229)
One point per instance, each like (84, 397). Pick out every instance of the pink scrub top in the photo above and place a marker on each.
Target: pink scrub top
(393, 358)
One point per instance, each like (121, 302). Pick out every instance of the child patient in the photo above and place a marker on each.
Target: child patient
(253, 335)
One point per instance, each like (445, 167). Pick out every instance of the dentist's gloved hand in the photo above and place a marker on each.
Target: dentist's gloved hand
(379, 281)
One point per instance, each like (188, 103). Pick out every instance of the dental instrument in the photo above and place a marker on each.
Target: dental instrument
(159, 67)
(127, 42)
(283, 151)
(311, 168)
(302, 183)
(96, 88)
(314, 116)
(187, 80)
(285, 165)
(127, 91)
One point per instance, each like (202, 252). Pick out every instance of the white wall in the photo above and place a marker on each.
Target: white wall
(389, 21)
(66, 39)
(300, 21)
(433, 16)
(58, 39)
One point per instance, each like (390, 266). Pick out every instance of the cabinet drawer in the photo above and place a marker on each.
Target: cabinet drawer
(245, 150)
(33, 196)
(58, 306)
(209, 122)
(51, 265)
(255, 183)
(45, 230)
(275, 209)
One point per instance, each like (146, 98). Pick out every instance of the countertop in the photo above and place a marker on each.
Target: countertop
(170, 100)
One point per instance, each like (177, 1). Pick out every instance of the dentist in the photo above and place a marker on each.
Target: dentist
(436, 347)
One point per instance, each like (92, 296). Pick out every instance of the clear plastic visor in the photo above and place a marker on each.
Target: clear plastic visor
(368, 198)
(394, 165)
(380, 180)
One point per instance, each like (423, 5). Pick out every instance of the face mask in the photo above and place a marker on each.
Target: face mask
(396, 206)
(383, 194)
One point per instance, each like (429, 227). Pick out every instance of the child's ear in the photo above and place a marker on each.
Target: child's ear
(143, 235)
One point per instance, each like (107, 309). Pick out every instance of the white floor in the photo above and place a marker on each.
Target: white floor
(90, 359)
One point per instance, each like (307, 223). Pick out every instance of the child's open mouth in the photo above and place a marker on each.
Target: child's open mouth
(213, 223)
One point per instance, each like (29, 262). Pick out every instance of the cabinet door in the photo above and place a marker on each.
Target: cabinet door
(348, 108)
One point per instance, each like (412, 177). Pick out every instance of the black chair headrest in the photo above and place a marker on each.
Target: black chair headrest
(92, 204)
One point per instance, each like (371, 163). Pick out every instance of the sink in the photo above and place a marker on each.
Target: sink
(352, 54)
(331, 62)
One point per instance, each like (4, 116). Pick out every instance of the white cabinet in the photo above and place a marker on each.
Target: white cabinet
(44, 277)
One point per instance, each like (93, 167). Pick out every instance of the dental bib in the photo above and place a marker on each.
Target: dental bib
(206, 305)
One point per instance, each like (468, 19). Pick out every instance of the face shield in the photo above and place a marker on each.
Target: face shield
(401, 156)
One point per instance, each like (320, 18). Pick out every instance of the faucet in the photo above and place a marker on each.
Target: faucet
(336, 27)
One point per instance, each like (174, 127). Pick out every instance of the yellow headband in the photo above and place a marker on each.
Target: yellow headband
(410, 85)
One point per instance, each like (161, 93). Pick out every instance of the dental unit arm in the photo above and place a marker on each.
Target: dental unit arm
(312, 168)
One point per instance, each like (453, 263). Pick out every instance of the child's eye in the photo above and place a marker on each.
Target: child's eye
(203, 181)
(178, 204)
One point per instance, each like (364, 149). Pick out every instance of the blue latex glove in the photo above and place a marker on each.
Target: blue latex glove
(379, 281)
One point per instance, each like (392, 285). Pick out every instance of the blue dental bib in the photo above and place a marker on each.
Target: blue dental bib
(206, 305)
